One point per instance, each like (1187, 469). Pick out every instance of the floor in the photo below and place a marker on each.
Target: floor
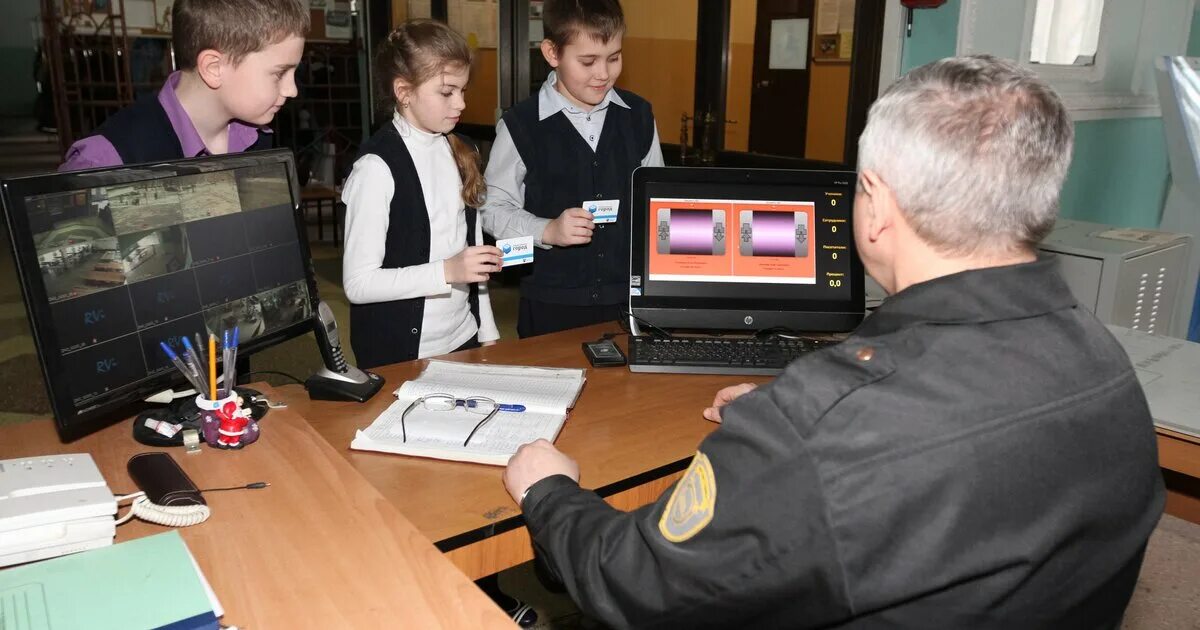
(1168, 592)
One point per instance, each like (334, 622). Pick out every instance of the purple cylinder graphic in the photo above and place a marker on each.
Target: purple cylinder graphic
(774, 234)
(692, 232)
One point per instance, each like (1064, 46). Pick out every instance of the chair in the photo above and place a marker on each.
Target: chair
(318, 195)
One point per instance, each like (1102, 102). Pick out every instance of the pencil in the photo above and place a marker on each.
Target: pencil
(212, 365)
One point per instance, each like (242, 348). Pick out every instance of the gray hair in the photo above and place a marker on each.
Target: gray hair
(975, 150)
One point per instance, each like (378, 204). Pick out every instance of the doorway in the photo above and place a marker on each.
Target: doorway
(780, 77)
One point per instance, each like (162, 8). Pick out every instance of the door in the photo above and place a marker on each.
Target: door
(780, 78)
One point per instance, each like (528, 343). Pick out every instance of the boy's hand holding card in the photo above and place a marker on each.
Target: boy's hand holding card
(603, 210)
(573, 227)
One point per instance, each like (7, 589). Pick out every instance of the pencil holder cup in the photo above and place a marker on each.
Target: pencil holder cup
(224, 423)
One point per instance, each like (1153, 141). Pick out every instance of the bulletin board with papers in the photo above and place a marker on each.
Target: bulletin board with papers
(833, 38)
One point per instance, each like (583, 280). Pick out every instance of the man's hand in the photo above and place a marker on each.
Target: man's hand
(488, 343)
(472, 264)
(534, 462)
(573, 227)
(724, 397)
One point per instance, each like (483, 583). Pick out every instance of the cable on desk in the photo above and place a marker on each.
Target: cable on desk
(174, 515)
(626, 316)
(283, 374)
(257, 485)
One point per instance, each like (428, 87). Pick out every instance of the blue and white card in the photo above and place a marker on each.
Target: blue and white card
(516, 251)
(603, 210)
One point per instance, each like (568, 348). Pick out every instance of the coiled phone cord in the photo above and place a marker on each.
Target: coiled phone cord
(174, 515)
(169, 515)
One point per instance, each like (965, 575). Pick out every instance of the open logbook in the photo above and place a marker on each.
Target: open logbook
(473, 412)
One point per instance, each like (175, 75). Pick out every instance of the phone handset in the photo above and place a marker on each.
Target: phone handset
(338, 380)
(328, 340)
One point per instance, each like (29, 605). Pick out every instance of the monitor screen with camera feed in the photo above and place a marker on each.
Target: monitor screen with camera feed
(114, 261)
(745, 250)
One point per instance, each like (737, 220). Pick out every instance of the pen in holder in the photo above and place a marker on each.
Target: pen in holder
(224, 423)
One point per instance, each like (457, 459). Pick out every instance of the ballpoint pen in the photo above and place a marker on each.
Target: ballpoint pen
(233, 359)
(194, 362)
(511, 408)
(226, 351)
(200, 351)
(179, 365)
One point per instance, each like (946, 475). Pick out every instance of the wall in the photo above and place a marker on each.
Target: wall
(483, 92)
(1119, 169)
(660, 59)
(742, 16)
(828, 101)
(16, 57)
(828, 93)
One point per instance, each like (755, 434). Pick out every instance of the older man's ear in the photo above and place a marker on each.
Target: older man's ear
(878, 204)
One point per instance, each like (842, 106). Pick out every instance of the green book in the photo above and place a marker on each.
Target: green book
(151, 582)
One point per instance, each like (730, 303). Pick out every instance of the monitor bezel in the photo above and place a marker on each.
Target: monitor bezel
(726, 314)
(73, 424)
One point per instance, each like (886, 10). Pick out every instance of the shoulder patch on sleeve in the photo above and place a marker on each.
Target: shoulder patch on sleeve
(692, 502)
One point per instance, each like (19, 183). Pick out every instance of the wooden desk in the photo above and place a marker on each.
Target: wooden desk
(319, 548)
(632, 434)
(1180, 453)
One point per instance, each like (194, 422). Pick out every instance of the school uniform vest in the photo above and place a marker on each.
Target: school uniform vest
(390, 332)
(143, 133)
(563, 172)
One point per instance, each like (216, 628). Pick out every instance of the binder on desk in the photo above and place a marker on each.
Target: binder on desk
(528, 403)
(151, 582)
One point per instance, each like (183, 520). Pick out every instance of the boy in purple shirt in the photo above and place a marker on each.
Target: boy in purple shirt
(237, 62)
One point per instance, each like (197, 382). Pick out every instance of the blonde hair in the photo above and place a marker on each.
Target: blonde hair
(416, 52)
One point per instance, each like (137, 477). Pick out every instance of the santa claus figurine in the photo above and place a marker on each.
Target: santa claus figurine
(233, 425)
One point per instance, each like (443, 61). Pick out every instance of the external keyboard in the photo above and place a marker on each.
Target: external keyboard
(718, 355)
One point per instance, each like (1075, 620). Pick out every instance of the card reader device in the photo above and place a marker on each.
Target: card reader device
(603, 353)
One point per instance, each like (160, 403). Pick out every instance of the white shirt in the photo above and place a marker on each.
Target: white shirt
(447, 323)
(503, 214)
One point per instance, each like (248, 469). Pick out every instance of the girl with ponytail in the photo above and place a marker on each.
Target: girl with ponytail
(414, 267)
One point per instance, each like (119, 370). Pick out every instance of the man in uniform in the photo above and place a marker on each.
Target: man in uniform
(978, 454)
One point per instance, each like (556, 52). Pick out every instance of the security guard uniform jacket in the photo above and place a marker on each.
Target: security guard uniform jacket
(978, 454)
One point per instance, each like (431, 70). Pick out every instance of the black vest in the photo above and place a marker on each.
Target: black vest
(390, 332)
(562, 172)
(143, 133)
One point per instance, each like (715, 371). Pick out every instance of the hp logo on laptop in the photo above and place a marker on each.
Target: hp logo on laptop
(749, 320)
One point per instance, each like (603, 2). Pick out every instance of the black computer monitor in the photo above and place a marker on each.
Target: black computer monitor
(744, 250)
(114, 261)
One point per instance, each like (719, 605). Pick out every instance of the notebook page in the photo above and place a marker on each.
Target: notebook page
(445, 431)
(539, 389)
